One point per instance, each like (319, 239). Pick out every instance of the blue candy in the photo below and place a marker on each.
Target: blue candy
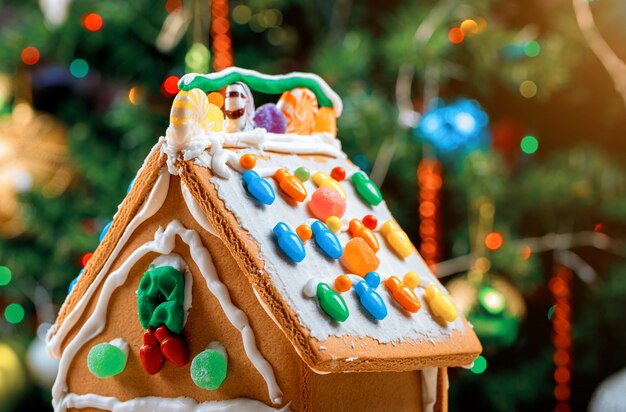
(289, 242)
(370, 299)
(73, 282)
(326, 240)
(258, 187)
(105, 229)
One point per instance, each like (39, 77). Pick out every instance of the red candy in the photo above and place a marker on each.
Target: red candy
(326, 202)
(370, 222)
(149, 354)
(338, 173)
(172, 347)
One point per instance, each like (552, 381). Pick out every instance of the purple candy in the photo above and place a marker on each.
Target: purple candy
(270, 118)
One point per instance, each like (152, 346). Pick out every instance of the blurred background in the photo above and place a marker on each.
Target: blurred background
(494, 128)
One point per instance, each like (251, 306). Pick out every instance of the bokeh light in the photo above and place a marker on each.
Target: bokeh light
(14, 313)
(494, 241)
(5, 275)
(30, 55)
(480, 365)
(79, 68)
(85, 258)
(532, 48)
(241, 14)
(92, 21)
(469, 26)
(456, 35)
(529, 144)
(528, 89)
(169, 87)
(134, 95)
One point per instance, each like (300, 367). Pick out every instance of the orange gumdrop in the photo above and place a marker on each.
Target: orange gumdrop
(304, 232)
(325, 121)
(358, 257)
(342, 283)
(247, 161)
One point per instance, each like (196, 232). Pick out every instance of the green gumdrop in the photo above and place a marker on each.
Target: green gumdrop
(208, 369)
(332, 303)
(106, 360)
(302, 173)
(170, 314)
(367, 189)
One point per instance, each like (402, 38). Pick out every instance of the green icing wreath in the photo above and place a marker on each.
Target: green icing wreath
(160, 299)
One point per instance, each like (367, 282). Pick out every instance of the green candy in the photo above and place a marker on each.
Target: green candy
(366, 188)
(263, 85)
(160, 299)
(302, 173)
(105, 360)
(208, 369)
(332, 303)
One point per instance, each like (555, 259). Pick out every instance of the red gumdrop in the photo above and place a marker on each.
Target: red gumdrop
(172, 347)
(326, 202)
(370, 222)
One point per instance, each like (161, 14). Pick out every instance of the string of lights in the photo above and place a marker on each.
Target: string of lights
(220, 33)
(429, 179)
(560, 288)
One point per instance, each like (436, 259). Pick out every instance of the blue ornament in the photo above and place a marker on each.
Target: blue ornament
(458, 127)
(326, 240)
(370, 299)
(105, 229)
(258, 187)
(73, 282)
(289, 242)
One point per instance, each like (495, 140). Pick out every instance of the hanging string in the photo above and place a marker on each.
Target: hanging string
(222, 46)
(560, 288)
(430, 181)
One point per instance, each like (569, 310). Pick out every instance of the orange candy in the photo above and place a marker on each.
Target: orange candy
(217, 99)
(325, 121)
(290, 185)
(358, 257)
(403, 294)
(358, 229)
(342, 283)
(300, 109)
(304, 232)
(247, 161)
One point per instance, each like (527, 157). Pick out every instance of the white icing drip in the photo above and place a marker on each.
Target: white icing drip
(218, 347)
(177, 262)
(429, 389)
(121, 344)
(164, 243)
(397, 326)
(326, 89)
(195, 210)
(151, 206)
(153, 403)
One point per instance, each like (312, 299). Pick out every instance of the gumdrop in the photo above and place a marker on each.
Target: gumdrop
(106, 359)
(326, 202)
(270, 118)
(358, 257)
(208, 368)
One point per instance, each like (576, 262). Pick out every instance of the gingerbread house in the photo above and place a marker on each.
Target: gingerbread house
(252, 266)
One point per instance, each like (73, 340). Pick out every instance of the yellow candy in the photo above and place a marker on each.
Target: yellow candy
(334, 224)
(322, 179)
(441, 305)
(326, 121)
(397, 239)
(411, 279)
(215, 115)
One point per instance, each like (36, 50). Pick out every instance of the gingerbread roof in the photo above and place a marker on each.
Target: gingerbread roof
(295, 281)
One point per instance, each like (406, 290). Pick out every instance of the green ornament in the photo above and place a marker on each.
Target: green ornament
(302, 173)
(105, 360)
(208, 369)
(366, 188)
(160, 299)
(332, 303)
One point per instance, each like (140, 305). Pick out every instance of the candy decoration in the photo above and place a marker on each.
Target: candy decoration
(326, 240)
(189, 110)
(358, 229)
(290, 184)
(247, 161)
(238, 107)
(289, 242)
(302, 173)
(370, 222)
(160, 298)
(403, 294)
(325, 121)
(370, 299)
(107, 359)
(74, 281)
(300, 109)
(338, 173)
(322, 179)
(216, 117)
(105, 229)
(358, 257)
(343, 283)
(366, 188)
(150, 354)
(411, 279)
(172, 347)
(326, 202)
(441, 305)
(397, 239)
(258, 187)
(208, 368)
(332, 303)
(304, 232)
(270, 118)
(334, 224)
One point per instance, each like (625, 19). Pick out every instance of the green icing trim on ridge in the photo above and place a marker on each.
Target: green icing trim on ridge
(261, 83)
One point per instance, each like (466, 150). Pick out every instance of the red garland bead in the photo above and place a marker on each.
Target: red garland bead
(370, 222)
(338, 173)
